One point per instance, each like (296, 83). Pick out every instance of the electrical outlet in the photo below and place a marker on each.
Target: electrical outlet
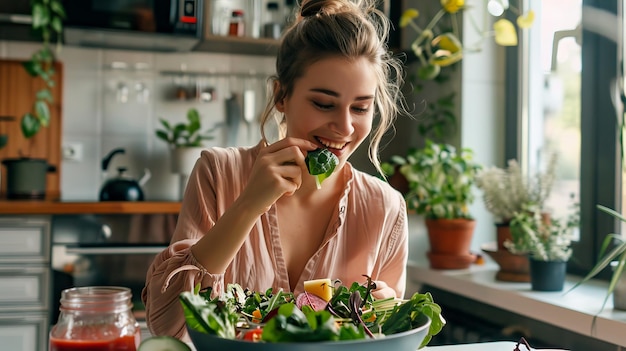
(72, 152)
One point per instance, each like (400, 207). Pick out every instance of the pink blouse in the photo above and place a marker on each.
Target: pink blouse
(369, 235)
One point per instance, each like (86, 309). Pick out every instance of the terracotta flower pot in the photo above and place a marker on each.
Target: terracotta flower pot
(450, 236)
(503, 233)
(450, 241)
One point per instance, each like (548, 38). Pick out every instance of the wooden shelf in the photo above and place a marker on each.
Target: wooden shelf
(238, 45)
(17, 207)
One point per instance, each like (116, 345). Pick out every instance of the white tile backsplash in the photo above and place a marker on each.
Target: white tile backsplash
(94, 116)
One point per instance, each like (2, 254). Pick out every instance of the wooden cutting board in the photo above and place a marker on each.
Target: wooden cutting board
(17, 92)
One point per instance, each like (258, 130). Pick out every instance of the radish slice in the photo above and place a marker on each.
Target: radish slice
(316, 302)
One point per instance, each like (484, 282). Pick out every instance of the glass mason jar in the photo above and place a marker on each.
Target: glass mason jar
(96, 318)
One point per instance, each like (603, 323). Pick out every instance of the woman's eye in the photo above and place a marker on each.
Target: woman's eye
(323, 106)
(361, 109)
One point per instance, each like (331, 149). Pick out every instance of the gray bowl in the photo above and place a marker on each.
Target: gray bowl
(405, 341)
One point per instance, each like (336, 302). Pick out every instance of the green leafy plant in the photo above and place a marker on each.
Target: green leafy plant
(507, 191)
(612, 252)
(543, 239)
(187, 134)
(48, 18)
(441, 179)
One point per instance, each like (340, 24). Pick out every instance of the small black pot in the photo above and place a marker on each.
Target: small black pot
(547, 275)
(26, 178)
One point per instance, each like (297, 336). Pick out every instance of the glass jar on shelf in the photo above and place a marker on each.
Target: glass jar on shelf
(237, 24)
(95, 318)
(273, 24)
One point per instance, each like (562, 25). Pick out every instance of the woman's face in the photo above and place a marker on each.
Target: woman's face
(332, 105)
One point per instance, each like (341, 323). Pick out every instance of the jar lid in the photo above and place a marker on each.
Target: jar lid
(237, 13)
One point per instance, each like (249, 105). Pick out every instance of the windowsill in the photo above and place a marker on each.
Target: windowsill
(573, 311)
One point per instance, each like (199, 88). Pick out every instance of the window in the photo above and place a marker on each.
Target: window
(562, 80)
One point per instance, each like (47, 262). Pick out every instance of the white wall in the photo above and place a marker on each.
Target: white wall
(98, 122)
(483, 104)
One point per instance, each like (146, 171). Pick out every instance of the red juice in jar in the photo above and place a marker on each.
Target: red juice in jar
(123, 343)
(95, 318)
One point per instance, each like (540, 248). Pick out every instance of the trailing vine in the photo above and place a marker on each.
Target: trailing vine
(47, 17)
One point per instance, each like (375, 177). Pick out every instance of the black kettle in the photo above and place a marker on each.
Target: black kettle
(122, 187)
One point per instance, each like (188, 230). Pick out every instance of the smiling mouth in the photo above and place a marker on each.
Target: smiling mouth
(331, 144)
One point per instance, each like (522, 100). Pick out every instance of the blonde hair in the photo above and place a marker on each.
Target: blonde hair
(347, 28)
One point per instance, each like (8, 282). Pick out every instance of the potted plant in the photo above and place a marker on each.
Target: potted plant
(186, 140)
(547, 242)
(613, 253)
(507, 191)
(440, 187)
(26, 176)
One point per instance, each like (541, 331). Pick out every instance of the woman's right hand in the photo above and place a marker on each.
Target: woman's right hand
(277, 171)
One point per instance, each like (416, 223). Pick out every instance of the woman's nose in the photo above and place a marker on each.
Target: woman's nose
(342, 122)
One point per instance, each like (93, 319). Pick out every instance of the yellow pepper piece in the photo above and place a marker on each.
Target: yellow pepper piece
(322, 288)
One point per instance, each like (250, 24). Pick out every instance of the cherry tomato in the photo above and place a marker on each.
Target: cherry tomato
(253, 335)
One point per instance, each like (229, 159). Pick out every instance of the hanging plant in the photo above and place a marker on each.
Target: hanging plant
(47, 16)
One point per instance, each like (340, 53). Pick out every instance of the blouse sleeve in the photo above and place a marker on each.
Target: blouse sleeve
(175, 269)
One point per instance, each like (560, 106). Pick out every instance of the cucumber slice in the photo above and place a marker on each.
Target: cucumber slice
(163, 343)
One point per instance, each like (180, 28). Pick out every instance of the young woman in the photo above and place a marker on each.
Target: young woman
(255, 217)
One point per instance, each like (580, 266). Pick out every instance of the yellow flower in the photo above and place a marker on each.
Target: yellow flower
(408, 16)
(506, 35)
(526, 20)
(452, 6)
(449, 50)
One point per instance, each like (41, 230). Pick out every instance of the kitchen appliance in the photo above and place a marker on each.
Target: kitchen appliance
(121, 187)
(26, 177)
(154, 25)
(124, 188)
(106, 250)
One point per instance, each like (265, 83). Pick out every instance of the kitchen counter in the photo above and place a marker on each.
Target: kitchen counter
(17, 207)
(574, 310)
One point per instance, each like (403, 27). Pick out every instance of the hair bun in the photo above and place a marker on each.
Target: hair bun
(310, 8)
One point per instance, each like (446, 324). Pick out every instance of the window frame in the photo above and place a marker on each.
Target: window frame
(600, 174)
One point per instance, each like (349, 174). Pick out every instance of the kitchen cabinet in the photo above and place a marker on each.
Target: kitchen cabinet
(25, 279)
(17, 94)
(246, 45)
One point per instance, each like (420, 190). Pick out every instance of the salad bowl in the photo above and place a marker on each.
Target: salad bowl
(405, 341)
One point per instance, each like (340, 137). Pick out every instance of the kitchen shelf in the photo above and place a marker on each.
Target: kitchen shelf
(238, 45)
(13, 207)
(201, 74)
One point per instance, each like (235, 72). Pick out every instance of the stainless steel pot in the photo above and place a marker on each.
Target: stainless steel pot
(26, 177)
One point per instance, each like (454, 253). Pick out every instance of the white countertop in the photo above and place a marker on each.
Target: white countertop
(485, 346)
(573, 310)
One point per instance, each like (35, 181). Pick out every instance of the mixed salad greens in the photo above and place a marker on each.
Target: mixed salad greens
(352, 313)
(321, 163)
